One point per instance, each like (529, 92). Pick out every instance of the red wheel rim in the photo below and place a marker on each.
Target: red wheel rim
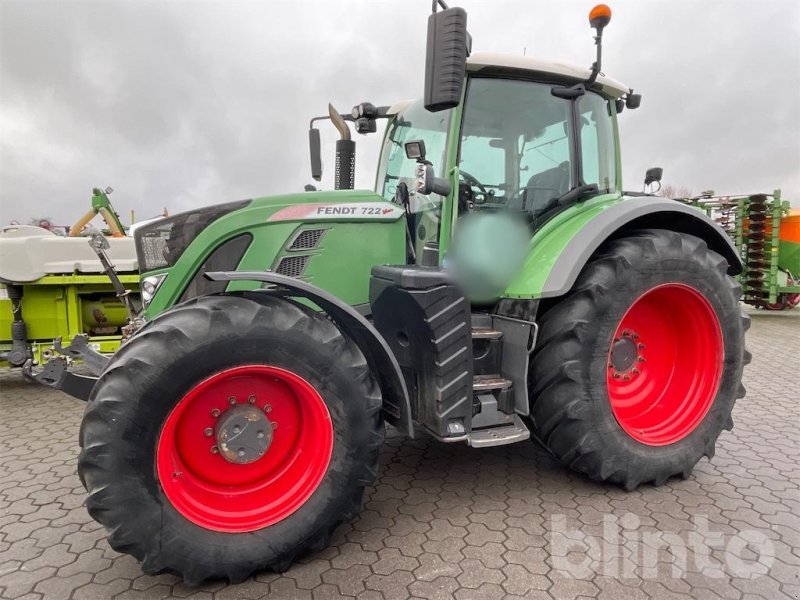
(211, 491)
(665, 364)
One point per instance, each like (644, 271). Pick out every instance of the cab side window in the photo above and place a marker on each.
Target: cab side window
(598, 152)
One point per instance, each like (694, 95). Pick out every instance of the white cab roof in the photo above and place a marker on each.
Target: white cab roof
(486, 60)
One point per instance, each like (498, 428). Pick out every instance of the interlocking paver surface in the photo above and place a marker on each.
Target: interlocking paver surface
(447, 521)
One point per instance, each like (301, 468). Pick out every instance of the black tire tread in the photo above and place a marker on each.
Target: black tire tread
(559, 413)
(153, 344)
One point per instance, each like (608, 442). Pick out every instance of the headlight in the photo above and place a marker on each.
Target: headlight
(150, 286)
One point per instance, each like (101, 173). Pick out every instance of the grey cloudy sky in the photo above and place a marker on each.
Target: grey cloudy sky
(183, 104)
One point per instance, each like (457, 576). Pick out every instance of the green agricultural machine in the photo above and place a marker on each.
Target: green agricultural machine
(54, 286)
(239, 426)
(766, 231)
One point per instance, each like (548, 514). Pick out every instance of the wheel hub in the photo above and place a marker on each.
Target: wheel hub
(623, 354)
(244, 434)
(626, 356)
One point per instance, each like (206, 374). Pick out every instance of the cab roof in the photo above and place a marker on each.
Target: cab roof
(535, 67)
(548, 70)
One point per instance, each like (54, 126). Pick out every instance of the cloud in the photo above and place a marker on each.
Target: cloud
(183, 104)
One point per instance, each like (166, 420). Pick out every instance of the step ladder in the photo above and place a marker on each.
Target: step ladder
(495, 422)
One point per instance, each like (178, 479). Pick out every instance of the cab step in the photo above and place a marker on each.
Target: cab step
(516, 431)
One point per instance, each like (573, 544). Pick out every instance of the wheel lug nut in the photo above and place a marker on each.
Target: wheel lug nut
(232, 400)
(641, 359)
(208, 432)
(616, 375)
(635, 371)
(214, 450)
(636, 336)
(641, 346)
(268, 408)
(251, 399)
(626, 377)
(215, 413)
(274, 425)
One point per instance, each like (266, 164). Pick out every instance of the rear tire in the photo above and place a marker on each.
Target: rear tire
(152, 425)
(637, 370)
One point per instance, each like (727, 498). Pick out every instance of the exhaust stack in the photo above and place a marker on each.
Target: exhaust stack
(345, 169)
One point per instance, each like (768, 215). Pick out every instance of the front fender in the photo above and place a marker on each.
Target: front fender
(560, 251)
(384, 365)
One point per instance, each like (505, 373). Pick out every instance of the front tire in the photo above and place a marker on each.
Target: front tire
(233, 433)
(637, 370)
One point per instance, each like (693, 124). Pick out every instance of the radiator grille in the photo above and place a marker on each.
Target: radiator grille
(292, 266)
(307, 240)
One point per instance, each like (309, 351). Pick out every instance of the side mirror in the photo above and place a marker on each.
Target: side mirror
(653, 175)
(446, 58)
(633, 101)
(428, 183)
(314, 146)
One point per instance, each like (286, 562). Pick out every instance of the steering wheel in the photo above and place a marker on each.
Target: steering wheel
(472, 181)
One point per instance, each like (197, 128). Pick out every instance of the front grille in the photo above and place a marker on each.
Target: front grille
(292, 266)
(153, 252)
(307, 240)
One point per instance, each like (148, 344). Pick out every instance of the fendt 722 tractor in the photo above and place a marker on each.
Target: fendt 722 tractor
(240, 424)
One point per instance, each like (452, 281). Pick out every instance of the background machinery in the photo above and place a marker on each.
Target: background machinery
(766, 231)
(54, 286)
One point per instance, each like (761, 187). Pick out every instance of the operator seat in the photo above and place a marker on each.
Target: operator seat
(545, 186)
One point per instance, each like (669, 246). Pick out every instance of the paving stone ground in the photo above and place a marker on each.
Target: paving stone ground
(453, 522)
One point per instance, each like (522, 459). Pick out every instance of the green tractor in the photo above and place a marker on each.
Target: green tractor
(239, 426)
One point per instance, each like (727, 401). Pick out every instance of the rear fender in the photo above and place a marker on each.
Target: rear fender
(553, 264)
(384, 365)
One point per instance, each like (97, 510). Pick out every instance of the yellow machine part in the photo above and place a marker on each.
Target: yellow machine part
(67, 305)
(102, 313)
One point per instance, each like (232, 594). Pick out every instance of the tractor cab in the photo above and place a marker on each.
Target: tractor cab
(511, 144)
(493, 133)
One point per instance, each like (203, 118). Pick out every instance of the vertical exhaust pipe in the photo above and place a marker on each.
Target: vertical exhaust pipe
(345, 170)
